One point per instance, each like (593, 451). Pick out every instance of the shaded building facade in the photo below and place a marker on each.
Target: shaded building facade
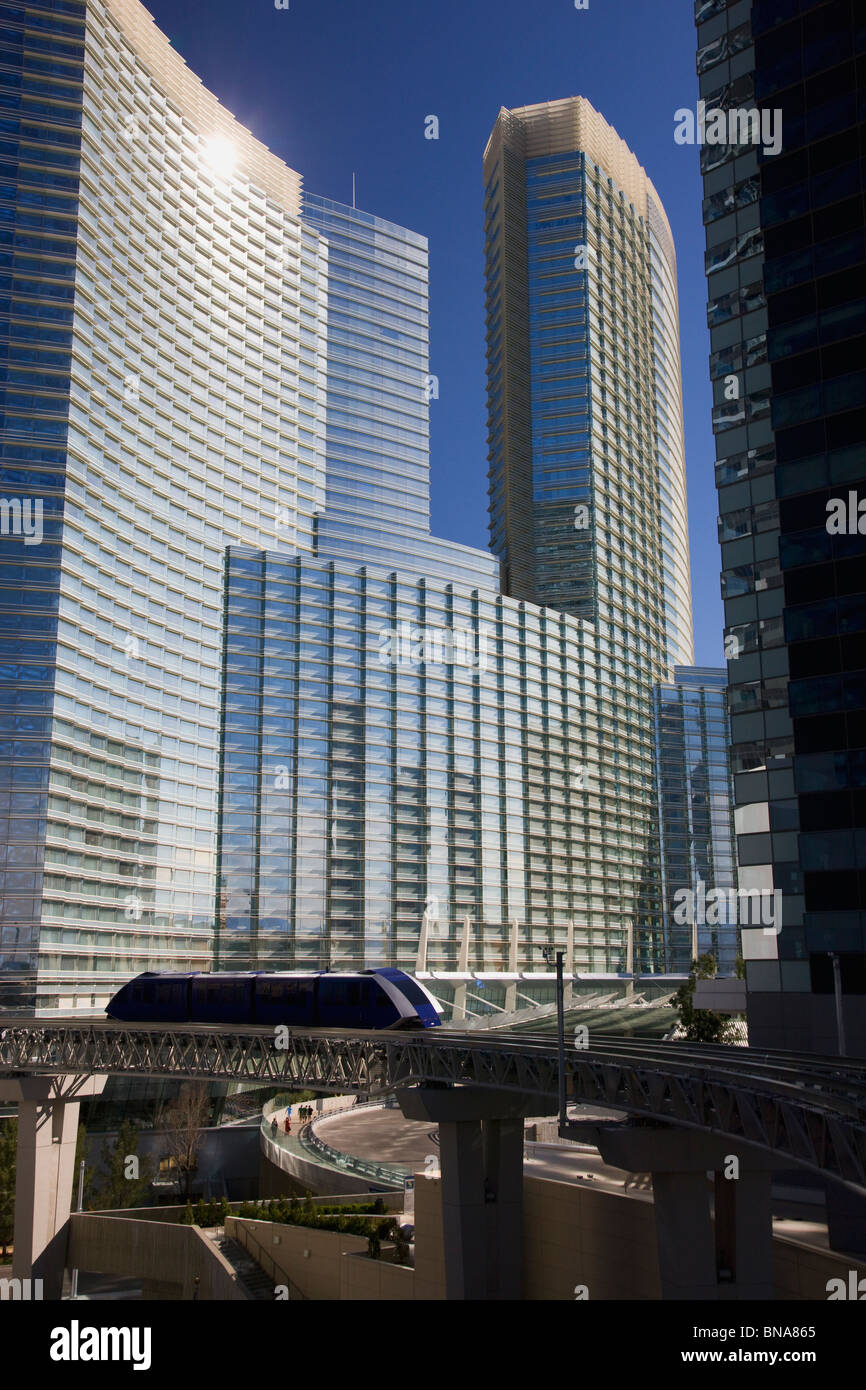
(786, 259)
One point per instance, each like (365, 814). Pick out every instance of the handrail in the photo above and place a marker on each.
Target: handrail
(278, 1276)
(280, 1135)
(384, 1172)
(309, 1140)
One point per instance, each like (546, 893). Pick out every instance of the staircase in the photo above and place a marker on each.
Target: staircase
(251, 1276)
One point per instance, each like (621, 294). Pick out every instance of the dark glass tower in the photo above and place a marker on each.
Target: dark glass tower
(786, 264)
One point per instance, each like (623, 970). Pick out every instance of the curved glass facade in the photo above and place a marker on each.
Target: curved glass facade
(170, 320)
(584, 393)
(194, 358)
(41, 75)
(393, 745)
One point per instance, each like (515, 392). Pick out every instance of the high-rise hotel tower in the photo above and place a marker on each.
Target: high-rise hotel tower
(161, 399)
(587, 472)
(584, 381)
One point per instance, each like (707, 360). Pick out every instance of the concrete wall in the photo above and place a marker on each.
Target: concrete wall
(336, 1268)
(575, 1235)
(375, 1280)
(317, 1274)
(429, 1253)
(160, 1253)
(571, 1235)
(800, 1272)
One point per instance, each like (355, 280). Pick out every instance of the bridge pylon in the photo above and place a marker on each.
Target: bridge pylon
(44, 1172)
(481, 1159)
(715, 1241)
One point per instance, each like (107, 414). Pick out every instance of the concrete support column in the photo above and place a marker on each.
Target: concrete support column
(481, 1157)
(708, 1249)
(754, 1234)
(45, 1162)
(846, 1220)
(503, 1145)
(461, 1151)
(684, 1233)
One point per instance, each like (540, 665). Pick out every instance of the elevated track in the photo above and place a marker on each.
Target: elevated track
(810, 1110)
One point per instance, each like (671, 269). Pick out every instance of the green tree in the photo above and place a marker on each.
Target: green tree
(700, 1025)
(125, 1178)
(8, 1145)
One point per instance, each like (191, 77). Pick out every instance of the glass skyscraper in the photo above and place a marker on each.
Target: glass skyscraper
(163, 396)
(587, 467)
(786, 254)
(587, 471)
(253, 710)
(696, 817)
(399, 737)
(196, 355)
(397, 745)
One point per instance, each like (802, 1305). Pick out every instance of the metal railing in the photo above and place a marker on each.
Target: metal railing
(317, 1148)
(805, 1109)
(379, 1172)
(247, 1238)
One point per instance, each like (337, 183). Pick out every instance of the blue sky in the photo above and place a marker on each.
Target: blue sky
(336, 86)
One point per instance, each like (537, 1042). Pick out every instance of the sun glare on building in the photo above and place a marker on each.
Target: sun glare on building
(220, 155)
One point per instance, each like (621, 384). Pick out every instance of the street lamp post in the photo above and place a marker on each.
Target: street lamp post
(560, 1027)
(80, 1208)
